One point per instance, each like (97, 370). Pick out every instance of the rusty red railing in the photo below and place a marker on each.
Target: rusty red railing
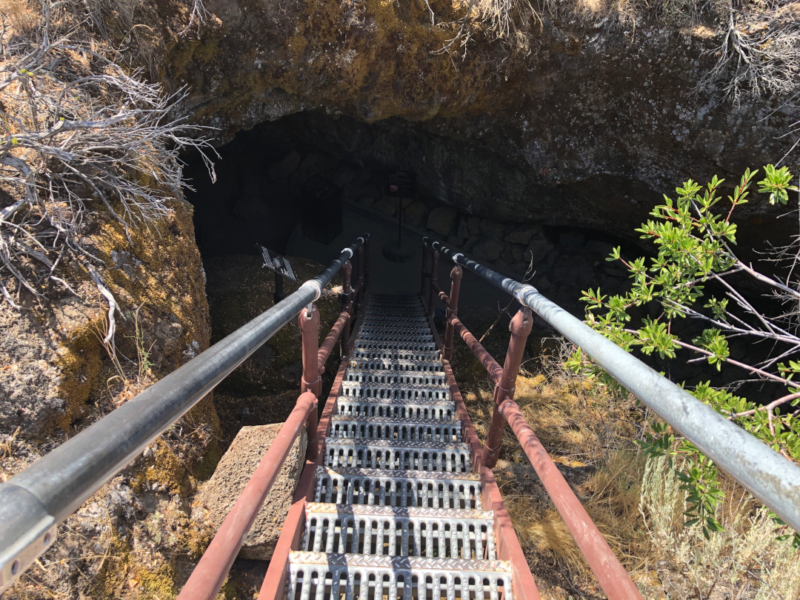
(610, 573)
(209, 575)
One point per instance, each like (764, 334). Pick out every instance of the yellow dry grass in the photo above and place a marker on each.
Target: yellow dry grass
(638, 507)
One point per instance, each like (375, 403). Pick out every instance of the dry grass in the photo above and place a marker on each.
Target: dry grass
(744, 561)
(637, 506)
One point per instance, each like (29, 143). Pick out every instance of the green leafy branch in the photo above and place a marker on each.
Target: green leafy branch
(695, 235)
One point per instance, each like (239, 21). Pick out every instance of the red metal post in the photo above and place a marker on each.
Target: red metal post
(452, 311)
(508, 547)
(520, 327)
(611, 575)
(309, 327)
(210, 573)
(481, 353)
(347, 304)
(274, 585)
(434, 282)
(338, 329)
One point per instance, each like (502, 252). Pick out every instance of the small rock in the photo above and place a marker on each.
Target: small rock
(474, 224)
(285, 167)
(518, 252)
(441, 220)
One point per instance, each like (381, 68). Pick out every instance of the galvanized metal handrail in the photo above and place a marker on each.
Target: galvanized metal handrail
(610, 573)
(34, 502)
(770, 477)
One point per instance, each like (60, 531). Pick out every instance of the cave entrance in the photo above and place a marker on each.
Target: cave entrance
(307, 186)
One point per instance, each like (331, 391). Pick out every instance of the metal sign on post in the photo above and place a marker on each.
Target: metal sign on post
(279, 265)
(401, 184)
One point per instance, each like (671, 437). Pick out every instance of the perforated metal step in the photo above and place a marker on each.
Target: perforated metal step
(325, 576)
(395, 391)
(394, 365)
(382, 487)
(394, 531)
(395, 354)
(398, 513)
(383, 454)
(418, 408)
(418, 325)
(383, 376)
(398, 430)
(387, 345)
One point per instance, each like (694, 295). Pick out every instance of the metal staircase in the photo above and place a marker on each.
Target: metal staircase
(397, 499)
(397, 510)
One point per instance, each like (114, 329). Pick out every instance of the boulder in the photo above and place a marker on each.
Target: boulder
(474, 224)
(574, 271)
(522, 235)
(386, 205)
(470, 243)
(488, 250)
(441, 220)
(491, 228)
(604, 249)
(283, 168)
(217, 496)
(538, 248)
(463, 229)
(415, 214)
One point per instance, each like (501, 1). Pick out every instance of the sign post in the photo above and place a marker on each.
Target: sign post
(278, 265)
(401, 185)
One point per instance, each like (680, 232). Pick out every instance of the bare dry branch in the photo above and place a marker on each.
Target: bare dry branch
(78, 133)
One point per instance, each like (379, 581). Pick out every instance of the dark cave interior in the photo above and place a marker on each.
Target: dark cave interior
(279, 189)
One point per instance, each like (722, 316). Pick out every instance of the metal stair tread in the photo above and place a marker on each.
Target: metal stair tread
(397, 474)
(412, 563)
(403, 365)
(395, 421)
(390, 373)
(441, 514)
(397, 401)
(400, 445)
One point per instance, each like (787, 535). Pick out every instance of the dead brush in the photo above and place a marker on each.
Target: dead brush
(745, 560)
(80, 134)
